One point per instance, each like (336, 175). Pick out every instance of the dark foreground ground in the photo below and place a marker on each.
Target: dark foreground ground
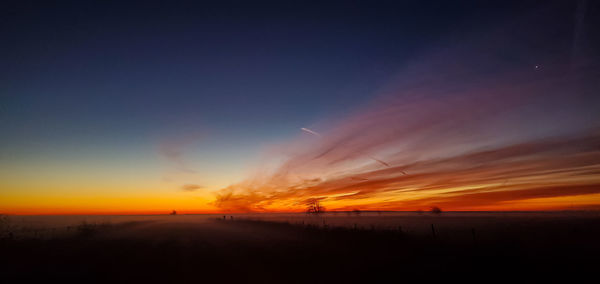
(242, 251)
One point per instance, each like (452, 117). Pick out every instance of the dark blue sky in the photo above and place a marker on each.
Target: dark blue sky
(116, 69)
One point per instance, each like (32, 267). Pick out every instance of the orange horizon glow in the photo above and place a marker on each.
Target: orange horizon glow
(511, 140)
(591, 208)
(546, 175)
(573, 203)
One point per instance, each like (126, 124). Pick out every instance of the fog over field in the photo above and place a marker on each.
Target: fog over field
(446, 224)
(298, 248)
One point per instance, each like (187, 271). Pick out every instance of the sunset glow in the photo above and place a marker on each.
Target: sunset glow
(237, 115)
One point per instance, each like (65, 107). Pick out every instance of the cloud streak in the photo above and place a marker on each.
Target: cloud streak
(191, 187)
(473, 130)
(173, 151)
(554, 167)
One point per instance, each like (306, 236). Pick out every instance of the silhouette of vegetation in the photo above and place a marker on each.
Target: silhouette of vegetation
(314, 207)
(5, 228)
(436, 210)
(85, 229)
(3, 221)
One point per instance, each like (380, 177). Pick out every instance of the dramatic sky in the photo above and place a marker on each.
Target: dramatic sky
(235, 106)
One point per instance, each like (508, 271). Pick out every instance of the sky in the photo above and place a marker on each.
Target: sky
(136, 107)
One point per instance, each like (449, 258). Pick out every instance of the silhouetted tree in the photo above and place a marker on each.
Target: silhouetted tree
(436, 210)
(314, 207)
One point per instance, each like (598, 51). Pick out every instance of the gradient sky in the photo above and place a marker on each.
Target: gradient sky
(144, 107)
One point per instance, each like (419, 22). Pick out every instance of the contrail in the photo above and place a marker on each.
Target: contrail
(385, 164)
(380, 161)
(359, 178)
(310, 131)
(578, 30)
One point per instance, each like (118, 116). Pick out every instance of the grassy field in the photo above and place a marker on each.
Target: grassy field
(300, 248)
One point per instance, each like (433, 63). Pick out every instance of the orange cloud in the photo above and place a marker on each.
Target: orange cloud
(450, 137)
(542, 169)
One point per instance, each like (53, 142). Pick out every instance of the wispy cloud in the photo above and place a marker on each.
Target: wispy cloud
(173, 150)
(562, 166)
(463, 128)
(191, 187)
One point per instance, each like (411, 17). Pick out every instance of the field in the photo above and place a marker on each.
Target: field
(300, 248)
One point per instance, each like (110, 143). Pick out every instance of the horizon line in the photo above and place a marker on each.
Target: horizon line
(303, 212)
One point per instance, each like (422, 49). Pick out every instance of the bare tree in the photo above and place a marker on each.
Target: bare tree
(314, 206)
